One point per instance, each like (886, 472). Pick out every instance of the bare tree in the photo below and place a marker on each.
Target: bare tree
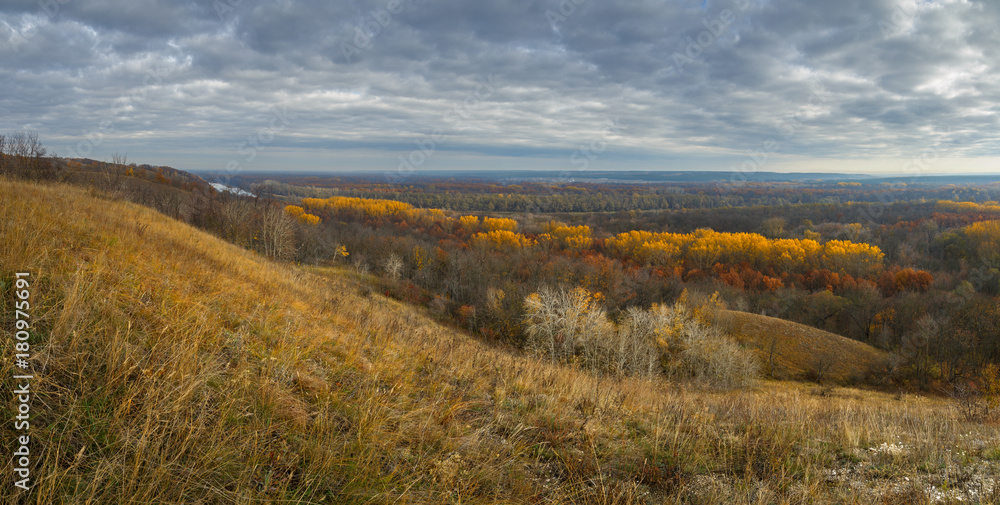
(563, 325)
(277, 233)
(699, 351)
(3, 155)
(821, 365)
(393, 266)
(22, 155)
(637, 352)
(773, 227)
(112, 174)
(237, 216)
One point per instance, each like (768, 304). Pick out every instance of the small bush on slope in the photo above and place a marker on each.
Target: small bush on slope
(570, 326)
(699, 351)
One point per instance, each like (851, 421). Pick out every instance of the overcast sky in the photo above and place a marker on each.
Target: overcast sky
(771, 85)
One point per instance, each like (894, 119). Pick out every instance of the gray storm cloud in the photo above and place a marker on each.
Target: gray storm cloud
(688, 81)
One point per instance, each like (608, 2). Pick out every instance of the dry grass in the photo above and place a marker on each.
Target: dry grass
(793, 350)
(176, 368)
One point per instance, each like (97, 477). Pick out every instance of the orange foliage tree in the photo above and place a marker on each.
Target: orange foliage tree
(904, 279)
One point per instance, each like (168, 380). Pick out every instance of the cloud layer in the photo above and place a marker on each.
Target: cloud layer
(556, 84)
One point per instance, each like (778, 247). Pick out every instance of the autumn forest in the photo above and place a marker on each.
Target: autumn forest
(911, 269)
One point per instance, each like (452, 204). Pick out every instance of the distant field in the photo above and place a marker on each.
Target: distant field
(796, 351)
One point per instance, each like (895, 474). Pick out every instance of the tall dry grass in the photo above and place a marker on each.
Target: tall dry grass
(175, 368)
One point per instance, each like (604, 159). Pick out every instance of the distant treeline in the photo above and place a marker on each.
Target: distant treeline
(543, 197)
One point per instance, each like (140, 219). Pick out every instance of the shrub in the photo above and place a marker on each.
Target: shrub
(979, 399)
(692, 349)
(637, 352)
(566, 325)
(571, 326)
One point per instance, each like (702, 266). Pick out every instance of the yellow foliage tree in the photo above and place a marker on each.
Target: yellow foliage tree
(301, 216)
(704, 248)
(309, 219)
(469, 222)
(500, 224)
(984, 237)
(366, 206)
(985, 207)
(502, 239)
(567, 237)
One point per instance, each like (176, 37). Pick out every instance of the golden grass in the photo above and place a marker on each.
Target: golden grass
(793, 350)
(176, 368)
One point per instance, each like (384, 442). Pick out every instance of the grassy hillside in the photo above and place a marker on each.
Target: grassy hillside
(172, 367)
(793, 350)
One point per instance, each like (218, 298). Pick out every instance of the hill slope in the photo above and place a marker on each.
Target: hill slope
(173, 367)
(792, 350)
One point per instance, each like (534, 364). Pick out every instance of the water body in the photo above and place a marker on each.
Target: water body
(222, 187)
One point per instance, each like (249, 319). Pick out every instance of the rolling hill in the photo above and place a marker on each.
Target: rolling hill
(173, 367)
(792, 350)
